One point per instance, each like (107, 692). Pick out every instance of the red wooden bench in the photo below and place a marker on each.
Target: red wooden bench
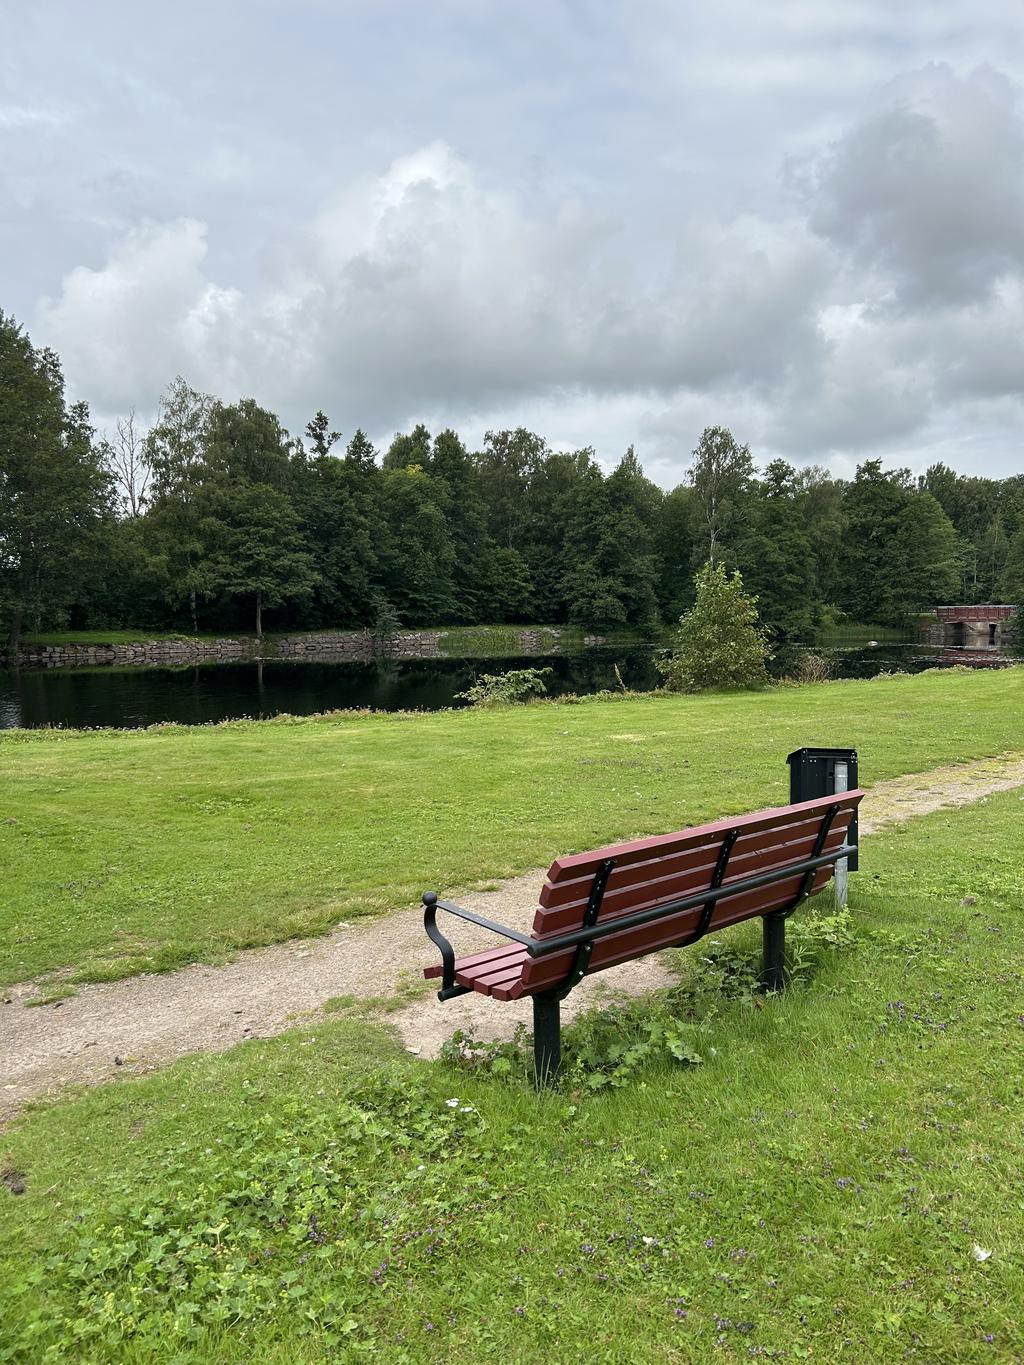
(622, 902)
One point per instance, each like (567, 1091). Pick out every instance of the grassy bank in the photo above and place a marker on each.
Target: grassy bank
(135, 851)
(479, 642)
(457, 641)
(835, 1180)
(852, 635)
(98, 638)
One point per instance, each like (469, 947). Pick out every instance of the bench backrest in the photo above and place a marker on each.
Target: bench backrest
(669, 867)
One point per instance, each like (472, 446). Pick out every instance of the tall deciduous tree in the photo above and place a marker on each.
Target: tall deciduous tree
(673, 542)
(508, 465)
(55, 495)
(1011, 584)
(819, 500)
(720, 475)
(417, 559)
(899, 551)
(490, 580)
(338, 524)
(246, 443)
(776, 556)
(408, 449)
(552, 494)
(258, 550)
(126, 459)
(176, 449)
(176, 443)
(612, 567)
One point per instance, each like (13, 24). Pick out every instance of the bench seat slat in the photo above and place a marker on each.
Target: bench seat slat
(504, 981)
(488, 972)
(488, 955)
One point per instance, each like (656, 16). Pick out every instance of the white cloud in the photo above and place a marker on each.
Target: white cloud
(427, 288)
(608, 252)
(21, 116)
(125, 329)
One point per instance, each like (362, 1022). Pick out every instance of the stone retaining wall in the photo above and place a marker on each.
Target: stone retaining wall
(145, 653)
(359, 645)
(355, 645)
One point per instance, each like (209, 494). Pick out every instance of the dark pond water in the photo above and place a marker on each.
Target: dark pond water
(133, 697)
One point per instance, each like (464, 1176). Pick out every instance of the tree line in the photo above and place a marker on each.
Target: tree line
(216, 516)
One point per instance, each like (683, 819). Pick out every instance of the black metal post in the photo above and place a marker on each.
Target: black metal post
(773, 961)
(547, 1039)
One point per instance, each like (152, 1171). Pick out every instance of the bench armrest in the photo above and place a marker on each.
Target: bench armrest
(431, 905)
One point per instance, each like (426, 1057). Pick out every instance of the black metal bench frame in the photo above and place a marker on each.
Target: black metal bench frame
(546, 1012)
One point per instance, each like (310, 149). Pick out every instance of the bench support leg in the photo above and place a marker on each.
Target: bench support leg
(547, 1039)
(773, 970)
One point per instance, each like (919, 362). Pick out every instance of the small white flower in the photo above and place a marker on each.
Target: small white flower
(466, 1109)
(452, 1104)
(647, 1241)
(981, 1254)
(421, 1168)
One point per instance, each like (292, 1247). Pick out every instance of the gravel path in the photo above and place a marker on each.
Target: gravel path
(135, 1025)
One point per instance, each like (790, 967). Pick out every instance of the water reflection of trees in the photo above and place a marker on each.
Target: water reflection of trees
(213, 692)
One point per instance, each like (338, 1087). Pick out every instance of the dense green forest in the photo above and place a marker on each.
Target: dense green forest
(215, 518)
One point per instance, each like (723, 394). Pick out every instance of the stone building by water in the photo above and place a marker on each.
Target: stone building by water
(978, 633)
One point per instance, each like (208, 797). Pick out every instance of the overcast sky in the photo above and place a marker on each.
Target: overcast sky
(614, 222)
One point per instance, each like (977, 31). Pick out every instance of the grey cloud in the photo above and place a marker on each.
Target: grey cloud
(858, 398)
(929, 188)
(427, 283)
(556, 213)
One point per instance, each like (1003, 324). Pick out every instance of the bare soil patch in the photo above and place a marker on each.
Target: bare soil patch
(133, 1026)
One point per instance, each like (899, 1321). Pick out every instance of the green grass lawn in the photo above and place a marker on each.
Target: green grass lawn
(838, 1179)
(109, 637)
(135, 851)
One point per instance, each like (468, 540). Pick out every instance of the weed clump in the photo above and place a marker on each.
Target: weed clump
(252, 1228)
(610, 1046)
(505, 689)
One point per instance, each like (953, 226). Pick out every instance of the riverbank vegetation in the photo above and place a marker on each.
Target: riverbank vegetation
(217, 515)
(129, 851)
(455, 641)
(719, 643)
(105, 637)
(829, 1174)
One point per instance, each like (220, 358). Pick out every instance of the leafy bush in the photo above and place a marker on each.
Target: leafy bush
(809, 667)
(810, 938)
(718, 643)
(503, 689)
